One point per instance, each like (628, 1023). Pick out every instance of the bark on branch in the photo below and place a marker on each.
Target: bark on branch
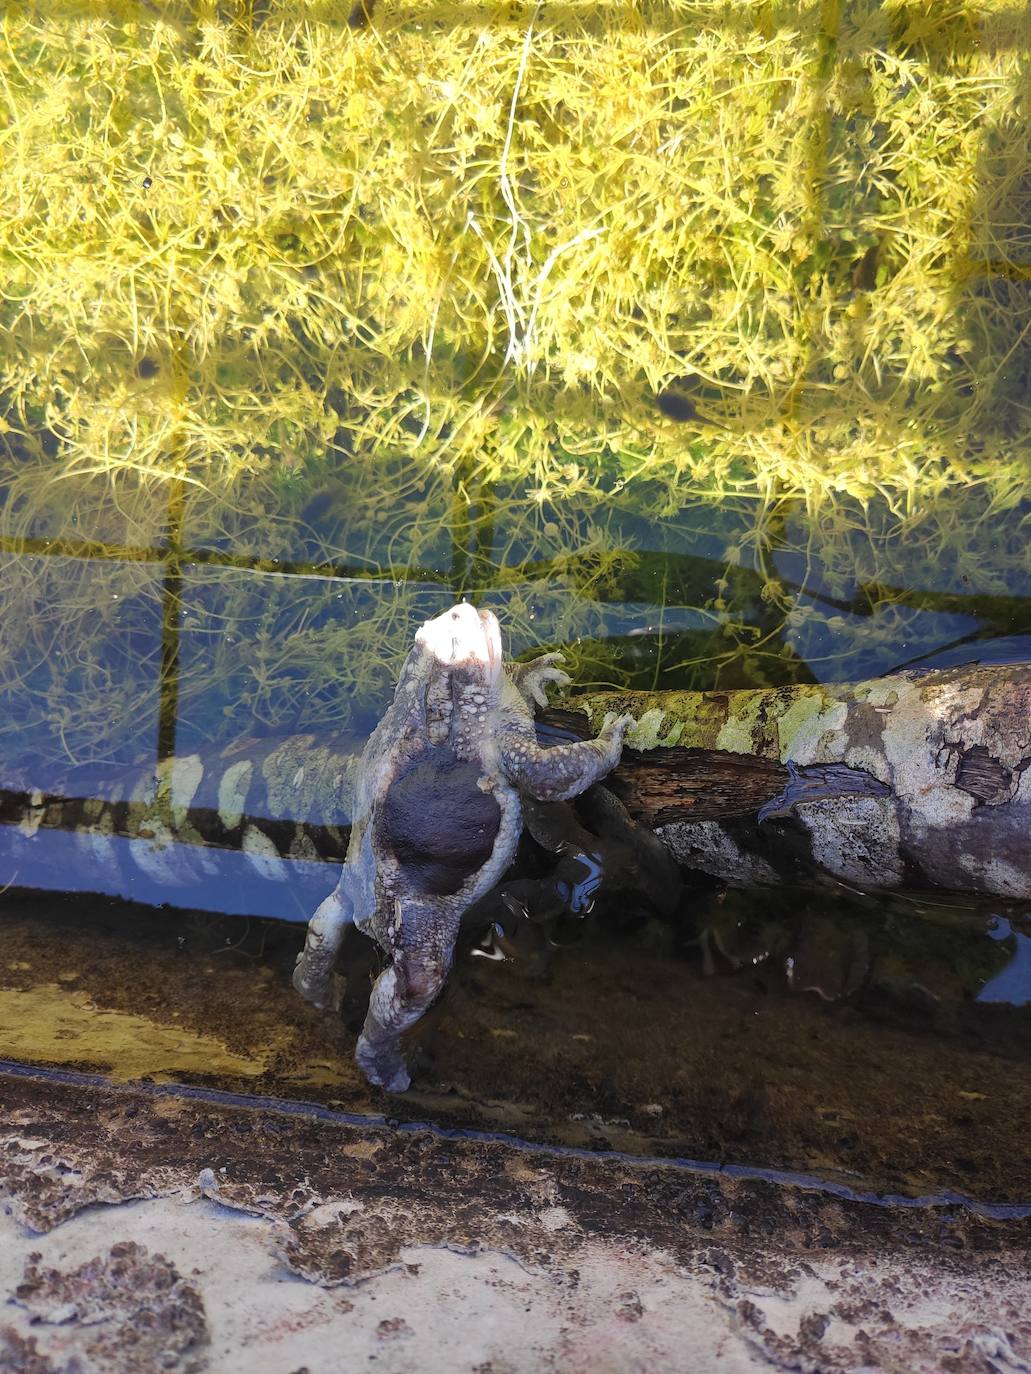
(913, 779)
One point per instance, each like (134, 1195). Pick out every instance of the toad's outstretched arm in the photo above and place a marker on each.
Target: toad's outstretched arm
(565, 770)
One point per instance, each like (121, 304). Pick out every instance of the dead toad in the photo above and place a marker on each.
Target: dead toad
(437, 818)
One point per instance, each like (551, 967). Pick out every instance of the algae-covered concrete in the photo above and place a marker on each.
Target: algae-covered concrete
(147, 1231)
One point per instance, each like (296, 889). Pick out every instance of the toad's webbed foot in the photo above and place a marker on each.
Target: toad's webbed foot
(532, 678)
(383, 1065)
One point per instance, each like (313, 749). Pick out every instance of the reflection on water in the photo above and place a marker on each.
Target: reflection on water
(1013, 983)
(257, 425)
(114, 654)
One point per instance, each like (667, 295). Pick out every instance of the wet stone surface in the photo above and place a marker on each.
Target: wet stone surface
(770, 1275)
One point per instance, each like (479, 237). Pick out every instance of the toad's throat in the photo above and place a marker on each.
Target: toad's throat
(464, 638)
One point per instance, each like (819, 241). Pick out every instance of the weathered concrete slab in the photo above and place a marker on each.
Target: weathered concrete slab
(145, 1231)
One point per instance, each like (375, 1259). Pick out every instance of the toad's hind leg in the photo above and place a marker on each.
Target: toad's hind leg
(314, 978)
(401, 995)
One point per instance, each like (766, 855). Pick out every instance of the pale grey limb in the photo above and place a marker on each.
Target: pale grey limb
(314, 977)
(565, 770)
(532, 678)
(400, 996)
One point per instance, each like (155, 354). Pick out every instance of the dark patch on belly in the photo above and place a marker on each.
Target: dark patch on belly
(436, 820)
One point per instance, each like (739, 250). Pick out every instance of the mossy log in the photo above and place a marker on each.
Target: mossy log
(916, 779)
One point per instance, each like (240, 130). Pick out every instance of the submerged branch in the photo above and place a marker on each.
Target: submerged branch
(912, 779)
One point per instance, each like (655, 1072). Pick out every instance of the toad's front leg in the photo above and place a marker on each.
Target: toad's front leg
(565, 770)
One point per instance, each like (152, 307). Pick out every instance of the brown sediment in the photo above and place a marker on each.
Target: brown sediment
(616, 1043)
(133, 1310)
(633, 1259)
(70, 1146)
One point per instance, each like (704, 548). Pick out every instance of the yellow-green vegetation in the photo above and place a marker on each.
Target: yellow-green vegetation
(454, 301)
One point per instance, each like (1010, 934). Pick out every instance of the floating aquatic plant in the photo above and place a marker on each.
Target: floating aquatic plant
(424, 303)
(229, 246)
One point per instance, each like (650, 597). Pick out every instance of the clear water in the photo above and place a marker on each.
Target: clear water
(884, 1040)
(724, 1030)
